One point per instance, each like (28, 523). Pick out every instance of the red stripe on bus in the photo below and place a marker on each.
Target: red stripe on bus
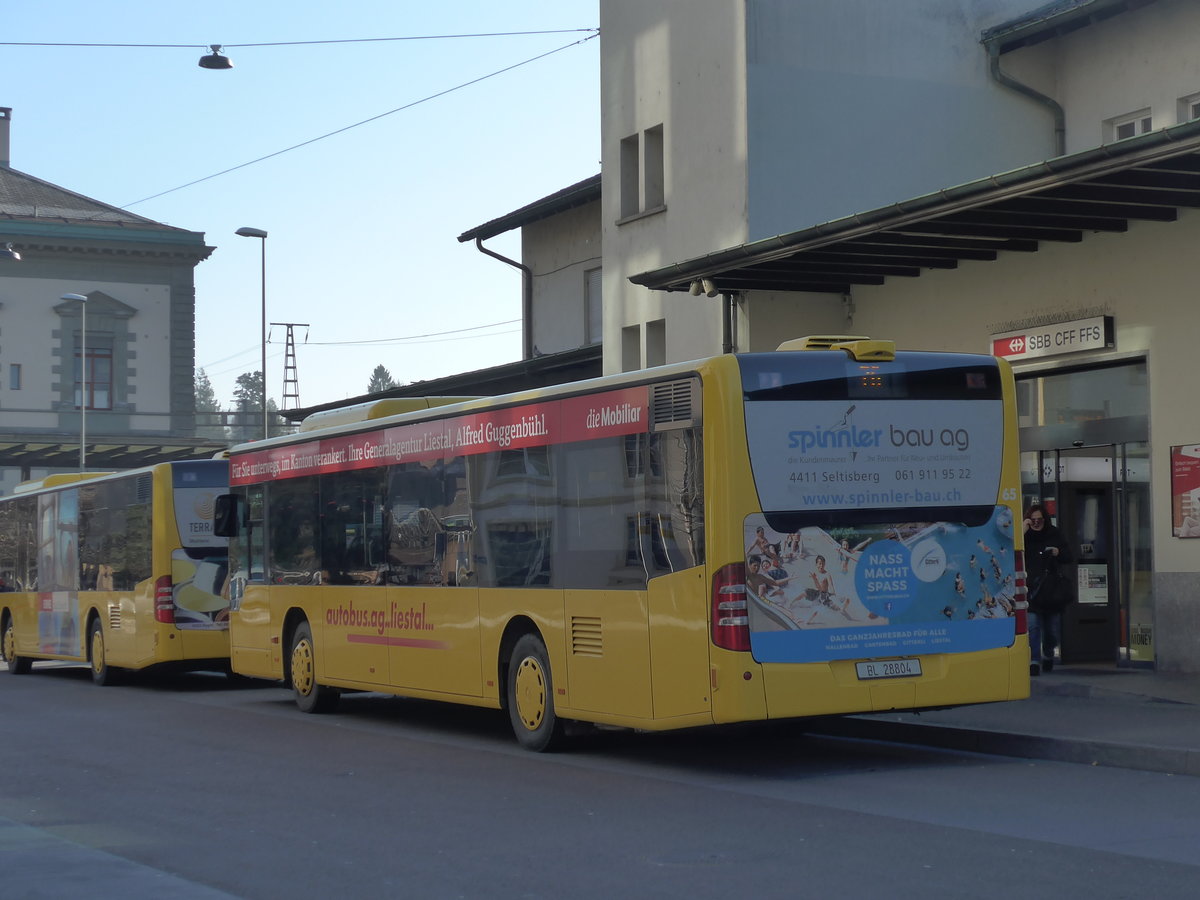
(396, 641)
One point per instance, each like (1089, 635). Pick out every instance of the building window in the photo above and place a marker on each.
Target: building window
(655, 189)
(643, 173)
(631, 348)
(593, 305)
(631, 177)
(1189, 107)
(97, 382)
(1129, 125)
(14, 377)
(656, 343)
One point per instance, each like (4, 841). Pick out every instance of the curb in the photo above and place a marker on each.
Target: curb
(1175, 761)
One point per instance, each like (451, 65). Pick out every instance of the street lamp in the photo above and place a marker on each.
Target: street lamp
(83, 397)
(261, 235)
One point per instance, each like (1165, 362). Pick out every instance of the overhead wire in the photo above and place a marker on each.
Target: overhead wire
(418, 337)
(433, 337)
(434, 96)
(415, 37)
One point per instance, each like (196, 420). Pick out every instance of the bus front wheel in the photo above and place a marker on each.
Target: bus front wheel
(311, 696)
(102, 672)
(17, 665)
(531, 697)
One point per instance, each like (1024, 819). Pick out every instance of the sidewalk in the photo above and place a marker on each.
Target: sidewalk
(1100, 715)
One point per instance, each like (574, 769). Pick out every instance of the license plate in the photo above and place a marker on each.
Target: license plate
(888, 668)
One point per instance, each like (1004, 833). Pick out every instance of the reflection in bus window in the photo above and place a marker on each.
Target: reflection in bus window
(292, 515)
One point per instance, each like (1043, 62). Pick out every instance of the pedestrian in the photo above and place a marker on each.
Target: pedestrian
(1048, 590)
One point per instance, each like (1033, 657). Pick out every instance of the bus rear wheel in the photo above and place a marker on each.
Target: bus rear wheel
(531, 697)
(102, 673)
(17, 665)
(311, 696)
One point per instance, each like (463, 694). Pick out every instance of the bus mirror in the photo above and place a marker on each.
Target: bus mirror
(225, 515)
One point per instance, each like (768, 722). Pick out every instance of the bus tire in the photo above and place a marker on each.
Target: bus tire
(102, 673)
(17, 665)
(531, 697)
(311, 696)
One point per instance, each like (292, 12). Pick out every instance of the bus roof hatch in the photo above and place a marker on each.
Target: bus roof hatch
(857, 346)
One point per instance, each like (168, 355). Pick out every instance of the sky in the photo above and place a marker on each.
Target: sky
(362, 225)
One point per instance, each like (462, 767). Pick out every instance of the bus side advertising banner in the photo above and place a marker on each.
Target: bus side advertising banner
(875, 453)
(610, 414)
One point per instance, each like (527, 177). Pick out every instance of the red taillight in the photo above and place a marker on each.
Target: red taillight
(730, 617)
(1020, 598)
(164, 601)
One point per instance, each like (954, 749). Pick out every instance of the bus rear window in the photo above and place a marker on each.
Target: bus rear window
(833, 376)
(824, 436)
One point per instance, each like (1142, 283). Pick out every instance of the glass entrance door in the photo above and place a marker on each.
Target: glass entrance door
(1099, 498)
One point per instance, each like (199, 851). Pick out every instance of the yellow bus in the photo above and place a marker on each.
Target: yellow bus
(118, 570)
(754, 536)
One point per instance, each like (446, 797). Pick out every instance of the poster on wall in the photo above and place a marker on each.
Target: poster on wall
(1185, 490)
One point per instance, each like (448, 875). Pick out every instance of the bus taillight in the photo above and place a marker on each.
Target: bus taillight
(164, 601)
(1020, 597)
(730, 616)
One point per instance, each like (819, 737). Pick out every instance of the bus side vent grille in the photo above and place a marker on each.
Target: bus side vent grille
(673, 404)
(586, 637)
(144, 488)
(114, 617)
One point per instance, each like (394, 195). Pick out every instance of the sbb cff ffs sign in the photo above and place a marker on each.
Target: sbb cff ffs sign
(1095, 333)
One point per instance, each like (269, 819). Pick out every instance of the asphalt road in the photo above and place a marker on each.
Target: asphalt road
(195, 787)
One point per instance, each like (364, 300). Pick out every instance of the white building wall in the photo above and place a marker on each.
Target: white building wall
(560, 251)
(679, 64)
(856, 104)
(777, 115)
(1137, 60)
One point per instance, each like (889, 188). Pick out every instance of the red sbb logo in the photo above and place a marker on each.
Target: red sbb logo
(1013, 346)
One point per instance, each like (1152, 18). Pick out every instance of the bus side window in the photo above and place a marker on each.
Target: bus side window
(253, 539)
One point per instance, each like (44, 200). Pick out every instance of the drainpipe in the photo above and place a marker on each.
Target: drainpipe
(526, 297)
(1060, 117)
(729, 323)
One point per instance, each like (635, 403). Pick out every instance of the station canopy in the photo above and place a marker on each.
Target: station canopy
(1148, 177)
(101, 456)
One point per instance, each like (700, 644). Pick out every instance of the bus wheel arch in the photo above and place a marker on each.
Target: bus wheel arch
(529, 694)
(102, 673)
(516, 629)
(291, 621)
(17, 665)
(311, 696)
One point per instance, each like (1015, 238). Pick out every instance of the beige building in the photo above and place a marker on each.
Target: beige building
(129, 361)
(952, 175)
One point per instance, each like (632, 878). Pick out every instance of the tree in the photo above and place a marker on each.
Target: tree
(247, 400)
(381, 380)
(208, 409)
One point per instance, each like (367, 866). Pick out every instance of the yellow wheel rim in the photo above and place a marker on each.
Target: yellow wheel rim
(530, 690)
(303, 677)
(10, 643)
(97, 650)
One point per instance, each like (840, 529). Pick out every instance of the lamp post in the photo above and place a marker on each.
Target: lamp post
(83, 397)
(262, 236)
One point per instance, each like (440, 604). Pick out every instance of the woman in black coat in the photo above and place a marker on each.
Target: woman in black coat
(1045, 552)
